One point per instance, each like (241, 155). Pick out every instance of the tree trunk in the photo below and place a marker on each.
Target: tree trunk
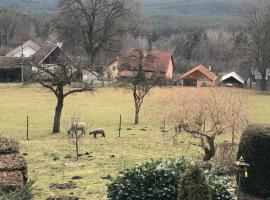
(137, 113)
(211, 150)
(58, 110)
(263, 84)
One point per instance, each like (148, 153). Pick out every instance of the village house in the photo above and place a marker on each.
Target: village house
(199, 76)
(26, 50)
(163, 65)
(111, 70)
(232, 80)
(255, 80)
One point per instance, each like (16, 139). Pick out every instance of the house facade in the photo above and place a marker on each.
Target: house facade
(162, 65)
(199, 76)
(111, 70)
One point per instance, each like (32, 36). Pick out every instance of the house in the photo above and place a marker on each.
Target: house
(163, 64)
(13, 70)
(199, 76)
(232, 80)
(111, 70)
(27, 49)
(255, 80)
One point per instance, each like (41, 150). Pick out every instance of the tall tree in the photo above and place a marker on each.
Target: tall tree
(94, 25)
(255, 23)
(135, 76)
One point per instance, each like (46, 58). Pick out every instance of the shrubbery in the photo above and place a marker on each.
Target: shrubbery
(160, 180)
(24, 192)
(193, 185)
(255, 149)
(153, 180)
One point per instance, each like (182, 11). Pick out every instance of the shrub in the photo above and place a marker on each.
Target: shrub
(154, 180)
(255, 148)
(193, 185)
(160, 180)
(220, 184)
(24, 192)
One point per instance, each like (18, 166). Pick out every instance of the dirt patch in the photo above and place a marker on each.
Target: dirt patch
(63, 186)
(63, 198)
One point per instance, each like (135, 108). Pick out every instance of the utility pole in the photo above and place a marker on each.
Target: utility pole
(22, 68)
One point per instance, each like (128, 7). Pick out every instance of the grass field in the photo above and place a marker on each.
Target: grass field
(107, 156)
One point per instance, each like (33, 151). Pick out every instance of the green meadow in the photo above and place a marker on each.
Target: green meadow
(107, 156)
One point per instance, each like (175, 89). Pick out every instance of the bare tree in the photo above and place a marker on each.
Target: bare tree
(205, 115)
(135, 77)
(94, 25)
(254, 23)
(8, 23)
(56, 77)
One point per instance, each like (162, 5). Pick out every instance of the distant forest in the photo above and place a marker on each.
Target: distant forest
(183, 14)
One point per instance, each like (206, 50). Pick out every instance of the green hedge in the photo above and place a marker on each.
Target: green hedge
(255, 149)
(159, 180)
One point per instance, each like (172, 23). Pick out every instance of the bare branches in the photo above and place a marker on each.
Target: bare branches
(95, 25)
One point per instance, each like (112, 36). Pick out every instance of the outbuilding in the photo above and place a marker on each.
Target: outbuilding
(232, 80)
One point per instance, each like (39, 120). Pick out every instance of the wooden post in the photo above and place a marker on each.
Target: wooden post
(120, 125)
(164, 124)
(27, 128)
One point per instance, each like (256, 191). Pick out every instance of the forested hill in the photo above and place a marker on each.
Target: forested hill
(190, 12)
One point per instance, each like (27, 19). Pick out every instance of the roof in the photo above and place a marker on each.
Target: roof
(29, 43)
(9, 62)
(233, 75)
(44, 52)
(203, 70)
(160, 64)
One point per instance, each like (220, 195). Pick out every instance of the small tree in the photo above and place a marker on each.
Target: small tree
(56, 77)
(207, 114)
(134, 76)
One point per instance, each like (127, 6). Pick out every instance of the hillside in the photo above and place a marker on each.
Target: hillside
(188, 12)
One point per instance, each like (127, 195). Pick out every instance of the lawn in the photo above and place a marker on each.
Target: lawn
(107, 156)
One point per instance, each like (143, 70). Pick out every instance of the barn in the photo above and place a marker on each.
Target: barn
(199, 76)
(10, 69)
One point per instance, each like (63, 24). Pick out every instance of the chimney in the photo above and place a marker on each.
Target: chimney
(210, 68)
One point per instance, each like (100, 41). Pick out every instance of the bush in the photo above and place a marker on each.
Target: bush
(160, 180)
(255, 149)
(154, 180)
(193, 185)
(22, 193)
(220, 184)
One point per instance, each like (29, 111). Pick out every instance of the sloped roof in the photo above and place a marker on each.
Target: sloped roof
(233, 75)
(44, 52)
(158, 61)
(29, 43)
(203, 70)
(9, 62)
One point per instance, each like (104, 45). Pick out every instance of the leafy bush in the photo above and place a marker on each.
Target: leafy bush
(193, 185)
(255, 148)
(160, 180)
(22, 193)
(154, 180)
(220, 184)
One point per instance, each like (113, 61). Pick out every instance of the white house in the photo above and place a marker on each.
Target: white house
(233, 80)
(27, 49)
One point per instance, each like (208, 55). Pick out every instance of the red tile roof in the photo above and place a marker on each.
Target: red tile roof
(159, 62)
(203, 70)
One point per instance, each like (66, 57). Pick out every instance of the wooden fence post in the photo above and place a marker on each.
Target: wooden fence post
(27, 128)
(120, 125)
